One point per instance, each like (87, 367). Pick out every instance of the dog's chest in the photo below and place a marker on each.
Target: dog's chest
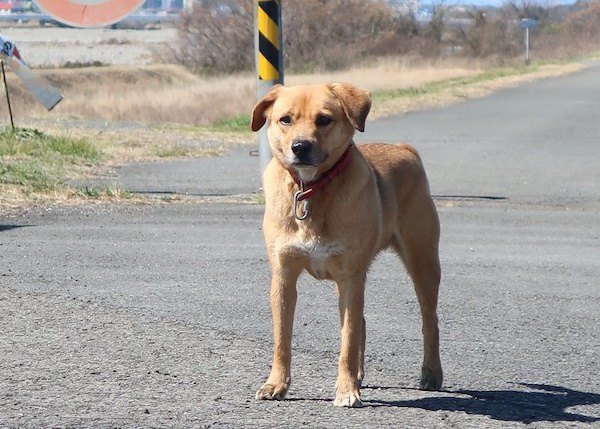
(318, 255)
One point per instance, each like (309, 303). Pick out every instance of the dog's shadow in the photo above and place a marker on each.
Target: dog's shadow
(8, 227)
(541, 403)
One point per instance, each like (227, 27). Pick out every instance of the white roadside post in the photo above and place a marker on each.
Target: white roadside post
(527, 46)
(268, 47)
(526, 24)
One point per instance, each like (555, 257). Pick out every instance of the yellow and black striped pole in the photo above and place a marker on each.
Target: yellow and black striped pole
(268, 44)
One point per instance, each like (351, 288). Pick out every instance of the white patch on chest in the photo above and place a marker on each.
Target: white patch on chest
(318, 254)
(317, 249)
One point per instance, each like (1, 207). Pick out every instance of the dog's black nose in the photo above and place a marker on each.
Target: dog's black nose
(301, 148)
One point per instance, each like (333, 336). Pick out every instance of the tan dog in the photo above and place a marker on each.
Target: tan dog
(331, 207)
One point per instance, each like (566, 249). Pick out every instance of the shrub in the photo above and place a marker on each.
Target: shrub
(218, 36)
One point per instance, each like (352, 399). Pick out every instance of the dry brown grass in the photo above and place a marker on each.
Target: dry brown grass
(148, 145)
(150, 94)
(13, 199)
(449, 94)
(167, 93)
(395, 73)
(162, 94)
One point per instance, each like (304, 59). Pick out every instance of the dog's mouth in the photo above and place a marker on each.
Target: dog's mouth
(313, 159)
(303, 163)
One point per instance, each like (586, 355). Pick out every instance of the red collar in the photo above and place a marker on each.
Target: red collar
(307, 190)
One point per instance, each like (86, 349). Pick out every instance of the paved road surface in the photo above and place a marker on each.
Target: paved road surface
(536, 143)
(157, 316)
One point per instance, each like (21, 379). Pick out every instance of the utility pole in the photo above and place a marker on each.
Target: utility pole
(268, 46)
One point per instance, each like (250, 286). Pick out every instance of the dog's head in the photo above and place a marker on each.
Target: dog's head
(311, 126)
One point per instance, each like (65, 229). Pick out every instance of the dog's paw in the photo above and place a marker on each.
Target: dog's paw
(431, 380)
(348, 400)
(275, 392)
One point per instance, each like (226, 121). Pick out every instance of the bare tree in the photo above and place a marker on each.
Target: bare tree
(436, 27)
(216, 36)
(326, 34)
(485, 34)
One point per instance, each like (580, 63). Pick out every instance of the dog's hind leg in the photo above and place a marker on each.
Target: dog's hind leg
(417, 245)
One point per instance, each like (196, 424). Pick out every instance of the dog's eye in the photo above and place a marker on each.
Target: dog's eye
(323, 121)
(286, 120)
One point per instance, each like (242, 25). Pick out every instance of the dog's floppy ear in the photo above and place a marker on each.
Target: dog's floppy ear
(258, 113)
(356, 103)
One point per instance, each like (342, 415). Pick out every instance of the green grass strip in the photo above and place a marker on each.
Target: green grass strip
(40, 162)
(452, 83)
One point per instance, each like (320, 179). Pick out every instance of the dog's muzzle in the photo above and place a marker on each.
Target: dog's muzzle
(303, 151)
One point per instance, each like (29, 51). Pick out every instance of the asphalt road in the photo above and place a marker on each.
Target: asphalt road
(157, 316)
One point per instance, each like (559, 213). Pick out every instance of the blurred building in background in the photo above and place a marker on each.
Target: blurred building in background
(167, 5)
(20, 6)
(14, 6)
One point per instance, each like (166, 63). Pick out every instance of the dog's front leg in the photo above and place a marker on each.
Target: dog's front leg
(283, 305)
(351, 296)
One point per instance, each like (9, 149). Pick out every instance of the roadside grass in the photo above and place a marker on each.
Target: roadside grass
(34, 143)
(173, 152)
(159, 94)
(236, 124)
(452, 90)
(39, 162)
(169, 94)
(104, 193)
(451, 83)
(430, 89)
(178, 115)
(37, 167)
(31, 175)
